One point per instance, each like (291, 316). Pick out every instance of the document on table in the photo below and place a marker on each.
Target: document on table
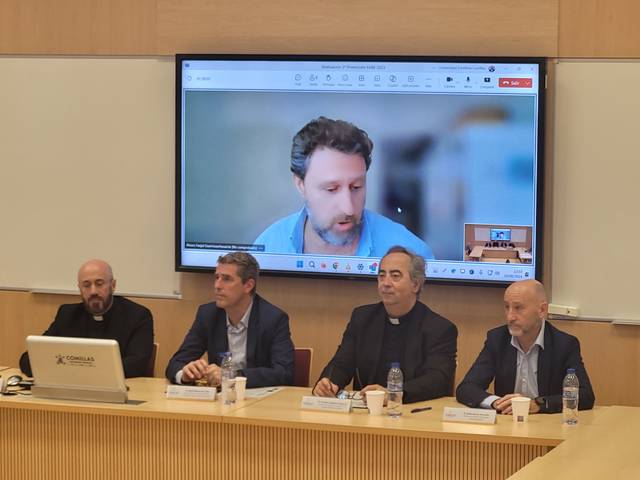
(261, 392)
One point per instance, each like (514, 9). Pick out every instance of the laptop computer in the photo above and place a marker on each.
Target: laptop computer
(76, 369)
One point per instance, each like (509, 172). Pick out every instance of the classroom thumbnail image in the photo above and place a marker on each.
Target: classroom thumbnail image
(498, 243)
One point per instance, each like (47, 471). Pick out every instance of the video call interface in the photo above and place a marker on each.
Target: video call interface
(454, 142)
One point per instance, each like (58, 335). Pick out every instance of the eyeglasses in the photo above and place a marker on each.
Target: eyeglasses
(17, 384)
(344, 395)
(14, 380)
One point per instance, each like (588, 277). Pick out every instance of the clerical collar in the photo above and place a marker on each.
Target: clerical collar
(402, 318)
(100, 318)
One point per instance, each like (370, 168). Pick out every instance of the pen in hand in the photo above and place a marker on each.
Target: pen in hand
(421, 409)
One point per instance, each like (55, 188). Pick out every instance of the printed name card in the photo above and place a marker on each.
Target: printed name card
(189, 392)
(326, 404)
(472, 415)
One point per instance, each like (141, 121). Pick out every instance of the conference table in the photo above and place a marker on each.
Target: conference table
(607, 449)
(271, 437)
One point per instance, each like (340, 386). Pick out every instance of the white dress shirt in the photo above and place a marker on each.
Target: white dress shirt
(237, 338)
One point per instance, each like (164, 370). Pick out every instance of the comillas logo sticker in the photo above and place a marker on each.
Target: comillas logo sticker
(75, 360)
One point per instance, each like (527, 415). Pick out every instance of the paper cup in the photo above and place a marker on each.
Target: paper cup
(241, 384)
(375, 401)
(520, 409)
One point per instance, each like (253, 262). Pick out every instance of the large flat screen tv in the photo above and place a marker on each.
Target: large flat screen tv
(316, 165)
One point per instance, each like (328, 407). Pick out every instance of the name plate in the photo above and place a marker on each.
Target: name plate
(189, 392)
(472, 415)
(326, 404)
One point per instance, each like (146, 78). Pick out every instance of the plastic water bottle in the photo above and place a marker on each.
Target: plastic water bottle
(570, 390)
(395, 382)
(228, 378)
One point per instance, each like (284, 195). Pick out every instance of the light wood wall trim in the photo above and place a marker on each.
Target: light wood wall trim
(552, 28)
(414, 27)
(599, 29)
(78, 27)
(166, 27)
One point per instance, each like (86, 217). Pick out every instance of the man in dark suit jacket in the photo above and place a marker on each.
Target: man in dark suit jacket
(528, 356)
(399, 329)
(103, 315)
(240, 321)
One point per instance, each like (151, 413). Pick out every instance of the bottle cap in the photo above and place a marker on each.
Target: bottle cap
(571, 371)
(395, 364)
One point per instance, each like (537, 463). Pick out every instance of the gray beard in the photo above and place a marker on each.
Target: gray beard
(92, 311)
(333, 239)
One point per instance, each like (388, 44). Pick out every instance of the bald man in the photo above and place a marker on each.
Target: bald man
(103, 315)
(527, 356)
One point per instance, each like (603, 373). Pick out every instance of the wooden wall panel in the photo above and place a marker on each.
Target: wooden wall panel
(599, 28)
(149, 27)
(437, 27)
(78, 27)
(319, 311)
(564, 28)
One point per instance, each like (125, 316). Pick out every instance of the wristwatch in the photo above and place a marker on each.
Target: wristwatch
(542, 403)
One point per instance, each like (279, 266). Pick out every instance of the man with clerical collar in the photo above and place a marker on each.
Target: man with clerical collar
(398, 329)
(105, 316)
(241, 322)
(528, 356)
